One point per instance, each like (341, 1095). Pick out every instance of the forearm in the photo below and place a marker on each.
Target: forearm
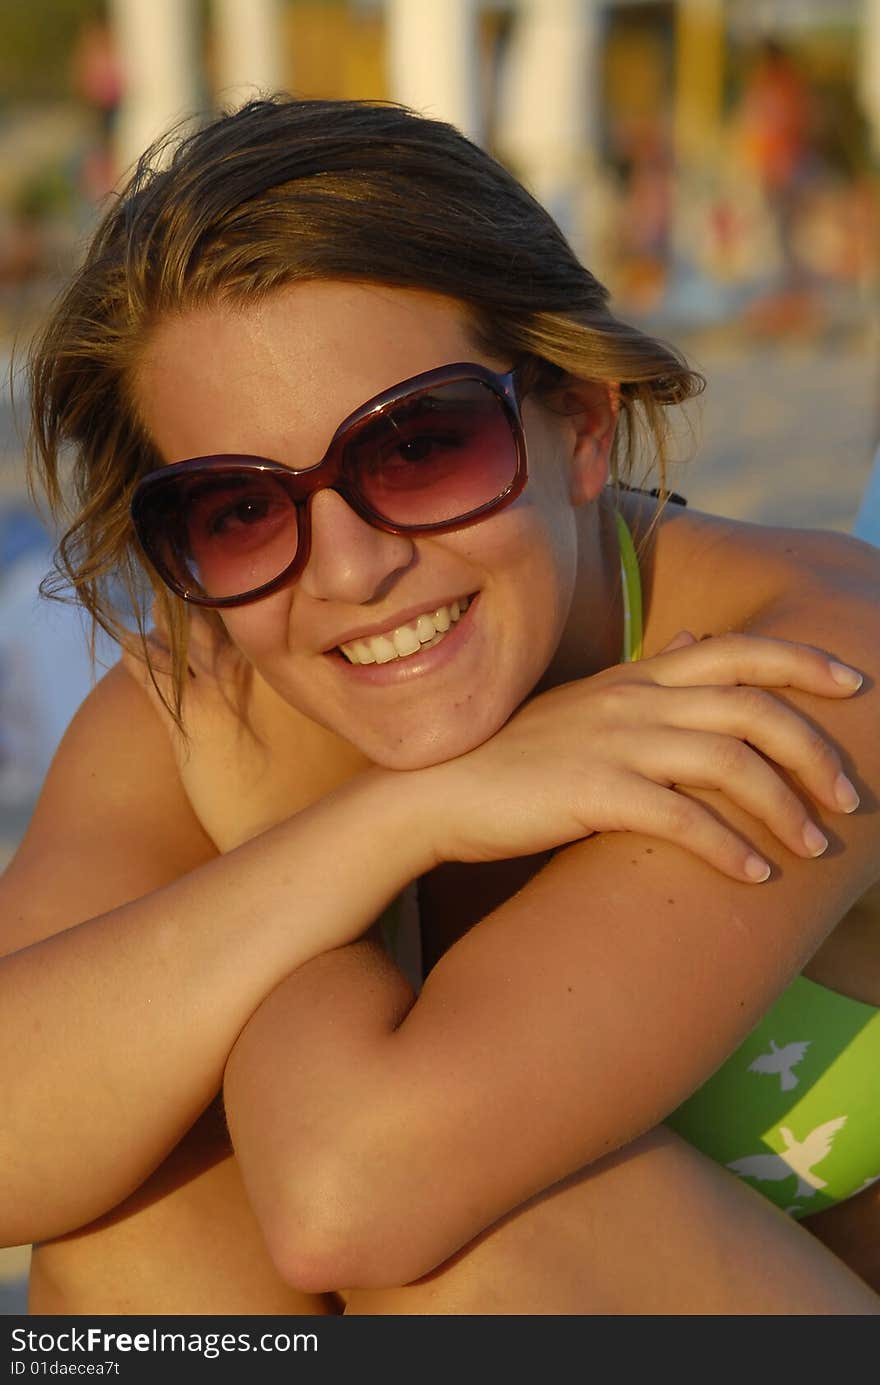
(116, 1031)
(299, 1090)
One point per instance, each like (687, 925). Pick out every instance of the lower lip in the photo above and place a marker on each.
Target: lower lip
(414, 665)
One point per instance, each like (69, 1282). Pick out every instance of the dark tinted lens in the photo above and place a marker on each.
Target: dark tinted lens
(436, 456)
(221, 534)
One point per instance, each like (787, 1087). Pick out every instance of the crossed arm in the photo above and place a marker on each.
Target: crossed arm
(118, 1028)
(571, 1020)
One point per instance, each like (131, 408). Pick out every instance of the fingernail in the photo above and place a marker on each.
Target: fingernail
(756, 868)
(845, 794)
(815, 841)
(846, 677)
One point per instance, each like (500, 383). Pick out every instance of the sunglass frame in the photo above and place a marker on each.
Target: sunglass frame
(329, 474)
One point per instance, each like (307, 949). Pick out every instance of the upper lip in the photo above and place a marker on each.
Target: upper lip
(404, 617)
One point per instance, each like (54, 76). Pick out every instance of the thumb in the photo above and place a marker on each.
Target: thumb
(680, 641)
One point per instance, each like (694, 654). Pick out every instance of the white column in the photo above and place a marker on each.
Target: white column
(869, 73)
(158, 51)
(549, 108)
(433, 60)
(248, 49)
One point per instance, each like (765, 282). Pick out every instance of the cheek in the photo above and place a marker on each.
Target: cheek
(260, 630)
(548, 509)
(533, 544)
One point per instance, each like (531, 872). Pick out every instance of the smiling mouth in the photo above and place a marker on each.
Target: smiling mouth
(424, 632)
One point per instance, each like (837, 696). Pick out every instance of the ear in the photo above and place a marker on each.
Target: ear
(593, 409)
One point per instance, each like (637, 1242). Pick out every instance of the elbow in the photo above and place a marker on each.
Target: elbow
(312, 1237)
(338, 1234)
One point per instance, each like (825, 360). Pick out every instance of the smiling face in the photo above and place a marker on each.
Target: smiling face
(443, 635)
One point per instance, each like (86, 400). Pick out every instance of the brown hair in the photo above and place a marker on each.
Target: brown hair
(285, 190)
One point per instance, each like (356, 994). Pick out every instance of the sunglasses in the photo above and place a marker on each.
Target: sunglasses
(440, 451)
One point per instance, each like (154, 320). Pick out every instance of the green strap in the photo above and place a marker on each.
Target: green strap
(631, 589)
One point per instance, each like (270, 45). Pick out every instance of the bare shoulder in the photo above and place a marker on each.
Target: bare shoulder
(812, 586)
(112, 822)
(825, 591)
(816, 559)
(820, 588)
(715, 574)
(246, 759)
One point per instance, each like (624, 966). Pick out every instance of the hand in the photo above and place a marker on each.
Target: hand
(613, 753)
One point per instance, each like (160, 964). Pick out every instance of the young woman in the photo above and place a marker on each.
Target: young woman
(337, 385)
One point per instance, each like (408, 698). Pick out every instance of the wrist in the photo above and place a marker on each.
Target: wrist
(405, 813)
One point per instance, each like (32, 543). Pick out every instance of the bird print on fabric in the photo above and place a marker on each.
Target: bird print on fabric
(780, 1061)
(798, 1159)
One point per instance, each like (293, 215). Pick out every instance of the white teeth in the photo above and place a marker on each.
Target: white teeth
(383, 648)
(363, 652)
(406, 639)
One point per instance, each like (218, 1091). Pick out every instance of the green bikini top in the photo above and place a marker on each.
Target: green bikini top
(631, 589)
(630, 581)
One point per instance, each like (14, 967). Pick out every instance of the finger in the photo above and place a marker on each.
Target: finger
(704, 760)
(762, 662)
(772, 727)
(673, 817)
(682, 640)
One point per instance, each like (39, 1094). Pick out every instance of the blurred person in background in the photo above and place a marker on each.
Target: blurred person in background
(643, 164)
(777, 118)
(415, 863)
(96, 77)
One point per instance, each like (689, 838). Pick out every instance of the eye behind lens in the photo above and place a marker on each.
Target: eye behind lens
(442, 456)
(218, 537)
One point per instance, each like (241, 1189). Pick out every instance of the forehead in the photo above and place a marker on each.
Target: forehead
(276, 377)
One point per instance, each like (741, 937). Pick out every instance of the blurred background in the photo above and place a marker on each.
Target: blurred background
(715, 162)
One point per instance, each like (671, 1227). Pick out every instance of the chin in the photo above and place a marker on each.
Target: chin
(422, 748)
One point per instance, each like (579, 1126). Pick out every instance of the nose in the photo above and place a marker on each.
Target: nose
(350, 560)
